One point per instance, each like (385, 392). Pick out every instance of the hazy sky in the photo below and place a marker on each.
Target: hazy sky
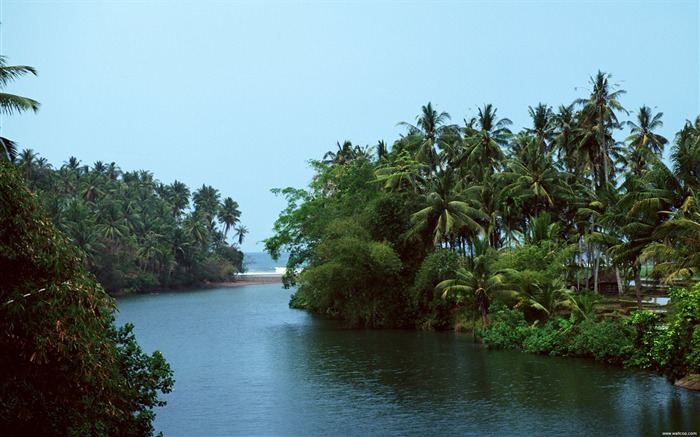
(240, 95)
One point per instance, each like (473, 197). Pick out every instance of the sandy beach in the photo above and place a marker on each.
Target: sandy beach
(252, 279)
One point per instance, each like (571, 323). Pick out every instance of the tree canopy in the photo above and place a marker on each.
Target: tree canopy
(67, 370)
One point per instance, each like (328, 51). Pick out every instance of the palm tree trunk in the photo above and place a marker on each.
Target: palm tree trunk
(596, 269)
(638, 285)
(619, 281)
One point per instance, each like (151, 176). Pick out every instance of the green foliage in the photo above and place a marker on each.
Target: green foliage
(607, 341)
(673, 348)
(135, 232)
(507, 330)
(66, 369)
(353, 278)
(430, 309)
(479, 216)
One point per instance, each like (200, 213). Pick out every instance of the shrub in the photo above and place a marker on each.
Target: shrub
(507, 329)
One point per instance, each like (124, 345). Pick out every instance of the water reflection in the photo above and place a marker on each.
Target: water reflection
(247, 365)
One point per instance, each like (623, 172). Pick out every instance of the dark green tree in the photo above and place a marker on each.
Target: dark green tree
(66, 369)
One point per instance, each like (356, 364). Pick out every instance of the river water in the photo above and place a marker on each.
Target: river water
(247, 365)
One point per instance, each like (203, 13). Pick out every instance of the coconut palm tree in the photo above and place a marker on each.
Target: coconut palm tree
(598, 118)
(11, 103)
(564, 140)
(206, 201)
(448, 211)
(542, 124)
(534, 181)
(642, 135)
(486, 136)
(229, 214)
(178, 194)
(425, 136)
(241, 232)
(480, 282)
(403, 173)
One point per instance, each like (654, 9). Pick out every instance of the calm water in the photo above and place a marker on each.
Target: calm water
(247, 365)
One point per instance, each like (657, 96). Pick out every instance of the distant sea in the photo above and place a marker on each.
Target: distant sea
(261, 262)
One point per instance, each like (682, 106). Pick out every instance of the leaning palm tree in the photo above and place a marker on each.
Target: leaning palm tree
(11, 103)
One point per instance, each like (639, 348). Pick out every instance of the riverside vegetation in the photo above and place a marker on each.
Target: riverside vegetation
(137, 233)
(67, 369)
(510, 235)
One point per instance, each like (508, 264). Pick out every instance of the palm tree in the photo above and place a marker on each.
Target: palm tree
(642, 135)
(196, 227)
(486, 136)
(542, 124)
(241, 232)
(229, 214)
(548, 297)
(448, 211)
(206, 201)
(480, 282)
(565, 127)
(534, 181)
(10, 103)
(179, 198)
(598, 117)
(426, 135)
(403, 173)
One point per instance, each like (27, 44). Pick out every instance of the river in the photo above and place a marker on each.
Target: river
(247, 365)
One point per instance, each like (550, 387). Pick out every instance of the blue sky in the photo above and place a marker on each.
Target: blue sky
(240, 95)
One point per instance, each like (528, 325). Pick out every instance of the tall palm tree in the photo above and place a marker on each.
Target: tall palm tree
(229, 214)
(26, 163)
(11, 103)
(565, 127)
(179, 198)
(642, 134)
(486, 136)
(534, 181)
(425, 136)
(206, 201)
(542, 124)
(598, 117)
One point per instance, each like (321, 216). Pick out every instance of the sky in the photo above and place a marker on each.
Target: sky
(240, 95)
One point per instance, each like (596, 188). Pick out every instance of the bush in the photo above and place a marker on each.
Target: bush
(673, 349)
(550, 339)
(507, 329)
(605, 341)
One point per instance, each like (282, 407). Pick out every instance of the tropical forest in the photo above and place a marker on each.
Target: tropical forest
(70, 237)
(137, 233)
(550, 239)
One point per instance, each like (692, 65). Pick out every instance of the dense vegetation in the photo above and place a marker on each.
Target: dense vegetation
(458, 226)
(67, 370)
(138, 234)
